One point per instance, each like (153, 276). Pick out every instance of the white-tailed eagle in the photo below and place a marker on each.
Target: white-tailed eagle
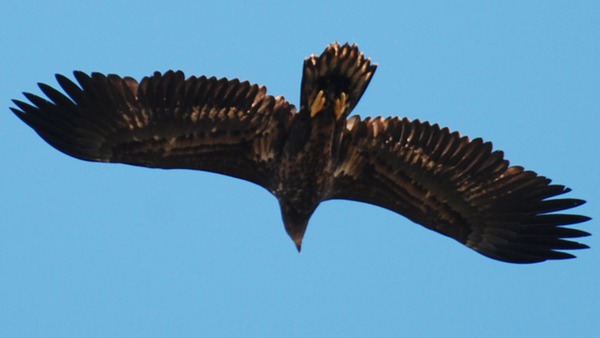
(448, 183)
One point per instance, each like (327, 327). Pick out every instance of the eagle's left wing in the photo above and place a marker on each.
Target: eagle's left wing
(165, 121)
(457, 187)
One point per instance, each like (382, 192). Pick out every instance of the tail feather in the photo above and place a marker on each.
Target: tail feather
(340, 71)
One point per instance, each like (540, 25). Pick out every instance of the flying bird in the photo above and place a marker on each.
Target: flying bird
(446, 182)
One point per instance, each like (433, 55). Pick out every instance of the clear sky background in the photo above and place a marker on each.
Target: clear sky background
(108, 250)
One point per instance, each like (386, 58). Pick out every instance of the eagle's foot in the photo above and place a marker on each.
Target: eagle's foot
(340, 105)
(317, 104)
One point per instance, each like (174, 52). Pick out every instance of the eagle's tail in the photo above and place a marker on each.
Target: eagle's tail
(338, 77)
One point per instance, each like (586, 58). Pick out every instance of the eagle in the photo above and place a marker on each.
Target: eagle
(451, 184)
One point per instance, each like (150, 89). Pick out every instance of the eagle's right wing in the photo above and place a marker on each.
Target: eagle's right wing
(165, 121)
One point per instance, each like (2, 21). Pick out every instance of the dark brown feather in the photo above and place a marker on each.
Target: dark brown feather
(167, 121)
(339, 69)
(457, 187)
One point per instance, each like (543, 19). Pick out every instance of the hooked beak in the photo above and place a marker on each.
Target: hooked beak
(298, 242)
(296, 234)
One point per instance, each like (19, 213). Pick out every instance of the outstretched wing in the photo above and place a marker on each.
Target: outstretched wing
(457, 187)
(165, 121)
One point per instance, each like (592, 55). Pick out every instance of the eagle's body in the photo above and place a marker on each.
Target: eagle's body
(306, 173)
(445, 182)
(300, 187)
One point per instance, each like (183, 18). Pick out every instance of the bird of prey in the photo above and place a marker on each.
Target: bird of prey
(439, 179)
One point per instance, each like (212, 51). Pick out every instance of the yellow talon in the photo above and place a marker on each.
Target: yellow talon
(317, 104)
(340, 105)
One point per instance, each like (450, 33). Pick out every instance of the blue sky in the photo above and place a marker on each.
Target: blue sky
(106, 250)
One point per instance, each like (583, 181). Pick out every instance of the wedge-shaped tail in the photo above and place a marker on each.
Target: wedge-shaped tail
(341, 74)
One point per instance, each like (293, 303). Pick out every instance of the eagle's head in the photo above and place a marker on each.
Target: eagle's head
(295, 220)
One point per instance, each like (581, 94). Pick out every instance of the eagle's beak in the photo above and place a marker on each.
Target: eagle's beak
(298, 242)
(297, 234)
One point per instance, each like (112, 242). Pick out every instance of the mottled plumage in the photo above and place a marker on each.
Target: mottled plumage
(458, 187)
